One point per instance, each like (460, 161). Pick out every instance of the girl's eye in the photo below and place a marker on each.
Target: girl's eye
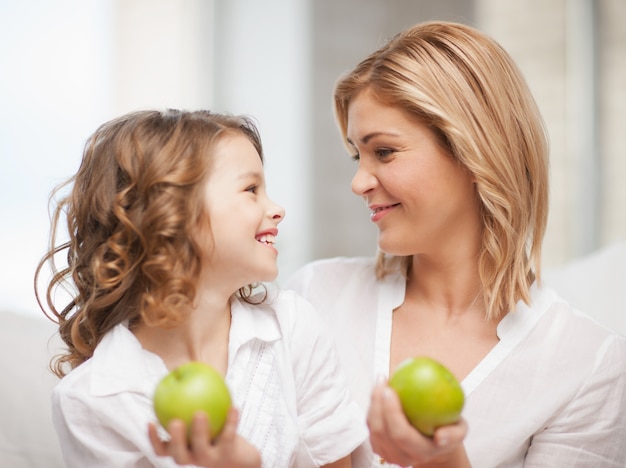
(356, 157)
(252, 189)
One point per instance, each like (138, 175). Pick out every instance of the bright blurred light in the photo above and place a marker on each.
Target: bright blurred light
(55, 63)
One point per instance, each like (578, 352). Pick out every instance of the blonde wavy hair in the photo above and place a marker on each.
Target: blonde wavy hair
(468, 90)
(135, 218)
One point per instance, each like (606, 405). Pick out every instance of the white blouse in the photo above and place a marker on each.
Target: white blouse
(552, 392)
(283, 375)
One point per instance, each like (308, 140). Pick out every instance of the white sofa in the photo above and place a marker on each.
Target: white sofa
(27, 439)
(595, 284)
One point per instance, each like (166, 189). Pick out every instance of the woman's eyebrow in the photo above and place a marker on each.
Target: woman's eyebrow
(371, 135)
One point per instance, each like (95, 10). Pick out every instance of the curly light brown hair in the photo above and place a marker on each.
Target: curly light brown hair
(134, 218)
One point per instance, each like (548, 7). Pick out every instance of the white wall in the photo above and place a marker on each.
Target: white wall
(70, 65)
(55, 88)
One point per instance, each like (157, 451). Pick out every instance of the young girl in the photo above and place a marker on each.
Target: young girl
(170, 227)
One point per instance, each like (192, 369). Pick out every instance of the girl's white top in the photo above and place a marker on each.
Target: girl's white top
(283, 375)
(552, 392)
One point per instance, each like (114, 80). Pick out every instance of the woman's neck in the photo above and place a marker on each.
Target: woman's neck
(453, 286)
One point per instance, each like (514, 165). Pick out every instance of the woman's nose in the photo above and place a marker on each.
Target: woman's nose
(363, 181)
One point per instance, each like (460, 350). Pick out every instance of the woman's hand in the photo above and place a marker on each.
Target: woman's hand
(396, 441)
(228, 450)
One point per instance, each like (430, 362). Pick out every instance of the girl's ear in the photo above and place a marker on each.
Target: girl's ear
(203, 235)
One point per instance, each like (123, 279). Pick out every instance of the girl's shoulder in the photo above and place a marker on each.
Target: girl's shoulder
(119, 364)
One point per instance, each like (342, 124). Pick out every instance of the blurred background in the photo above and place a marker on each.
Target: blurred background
(66, 66)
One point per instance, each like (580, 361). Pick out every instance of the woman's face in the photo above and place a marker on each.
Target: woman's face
(420, 198)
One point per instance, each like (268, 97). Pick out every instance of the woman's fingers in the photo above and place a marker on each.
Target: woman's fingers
(397, 426)
(375, 420)
(199, 438)
(397, 441)
(178, 447)
(379, 424)
(452, 434)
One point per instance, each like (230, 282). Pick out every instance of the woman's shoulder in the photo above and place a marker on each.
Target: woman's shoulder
(572, 329)
(331, 272)
(572, 315)
(288, 307)
(340, 265)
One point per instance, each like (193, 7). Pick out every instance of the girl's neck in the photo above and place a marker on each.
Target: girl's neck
(201, 336)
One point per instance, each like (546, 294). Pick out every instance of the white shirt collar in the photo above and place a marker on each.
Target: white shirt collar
(252, 321)
(512, 329)
(120, 363)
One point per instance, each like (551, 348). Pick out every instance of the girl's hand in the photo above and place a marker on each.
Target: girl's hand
(396, 441)
(228, 450)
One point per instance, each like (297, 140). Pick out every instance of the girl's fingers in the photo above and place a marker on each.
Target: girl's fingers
(229, 431)
(160, 447)
(227, 450)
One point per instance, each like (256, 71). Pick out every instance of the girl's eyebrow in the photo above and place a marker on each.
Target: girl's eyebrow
(251, 174)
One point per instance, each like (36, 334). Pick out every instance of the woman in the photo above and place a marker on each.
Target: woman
(453, 164)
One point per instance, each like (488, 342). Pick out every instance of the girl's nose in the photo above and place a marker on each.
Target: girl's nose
(277, 212)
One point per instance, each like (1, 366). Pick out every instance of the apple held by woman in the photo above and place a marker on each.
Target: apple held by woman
(429, 393)
(190, 388)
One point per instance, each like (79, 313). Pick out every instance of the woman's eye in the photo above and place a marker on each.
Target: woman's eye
(356, 157)
(382, 153)
(252, 189)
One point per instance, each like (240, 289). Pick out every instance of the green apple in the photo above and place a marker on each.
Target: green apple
(193, 387)
(430, 394)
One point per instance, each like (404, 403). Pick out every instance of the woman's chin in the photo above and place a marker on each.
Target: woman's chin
(391, 247)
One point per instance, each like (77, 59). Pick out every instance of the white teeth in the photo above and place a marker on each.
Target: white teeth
(381, 208)
(266, 239)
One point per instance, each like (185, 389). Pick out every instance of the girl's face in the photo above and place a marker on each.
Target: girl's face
(243, 219)
(420, 198)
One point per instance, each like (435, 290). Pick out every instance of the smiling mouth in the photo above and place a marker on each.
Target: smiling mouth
(383, 208)
(267, 239)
